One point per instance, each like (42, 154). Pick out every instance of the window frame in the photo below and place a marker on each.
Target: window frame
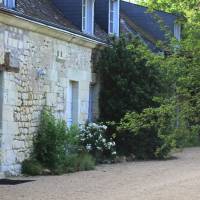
(84, 17)
(9, 3)
(88, 16)
(113, 25)
(177, 31)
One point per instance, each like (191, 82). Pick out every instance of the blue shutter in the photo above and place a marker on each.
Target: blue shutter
(91, 104)
(9, 3)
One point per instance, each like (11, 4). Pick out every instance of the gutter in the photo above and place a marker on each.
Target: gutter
(44, 27)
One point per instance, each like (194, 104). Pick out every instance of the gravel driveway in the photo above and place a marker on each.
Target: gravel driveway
(177, 179)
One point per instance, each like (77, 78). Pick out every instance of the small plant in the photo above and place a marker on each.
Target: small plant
(86, 162)
(32, 167)
(73, 143)
(93, 138)
(79, 162)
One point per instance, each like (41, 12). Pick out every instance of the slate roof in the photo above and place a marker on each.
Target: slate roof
(134, 18)
(146, 22)
(44, 10)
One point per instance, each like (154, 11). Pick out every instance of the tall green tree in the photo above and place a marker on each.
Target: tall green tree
(128, 81)
(182, 66)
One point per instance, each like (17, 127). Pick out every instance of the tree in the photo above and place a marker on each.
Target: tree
(128, 81)
(182, 66)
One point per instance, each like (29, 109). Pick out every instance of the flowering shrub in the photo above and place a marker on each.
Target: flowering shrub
(93, 138)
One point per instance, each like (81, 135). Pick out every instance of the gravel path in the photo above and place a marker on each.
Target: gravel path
(177, 179)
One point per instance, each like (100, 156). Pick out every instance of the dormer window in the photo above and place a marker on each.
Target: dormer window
(9, 4)
(177, 31)
(113, 25)
(88, 16)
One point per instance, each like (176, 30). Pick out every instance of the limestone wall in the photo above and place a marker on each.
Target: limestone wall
(25, 93)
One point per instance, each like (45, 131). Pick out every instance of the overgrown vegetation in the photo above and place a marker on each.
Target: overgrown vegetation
(157, 107)
(150, 102)
(50, 141)
(128, 80)
(150, 133)
(57, 149)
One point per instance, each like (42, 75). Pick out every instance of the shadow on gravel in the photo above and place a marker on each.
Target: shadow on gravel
(13, 182)
(172, 158)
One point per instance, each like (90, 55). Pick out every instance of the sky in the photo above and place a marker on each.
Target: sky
(130, 1)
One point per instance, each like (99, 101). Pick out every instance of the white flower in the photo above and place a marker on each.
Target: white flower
(89, 147)
(99, 148)
(104, 127)
(113, 143)
(114, 153)
(104, 140)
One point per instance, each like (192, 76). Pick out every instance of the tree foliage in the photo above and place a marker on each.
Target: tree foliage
(128, 80)
(160, 92)
(182, 66)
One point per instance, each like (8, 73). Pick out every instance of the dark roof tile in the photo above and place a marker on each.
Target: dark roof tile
(44, 10)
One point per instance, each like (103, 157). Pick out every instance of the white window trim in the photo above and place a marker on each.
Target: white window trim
(84, 7)
(87, 29)
(72, 103)
(177, 31)
(9, 3)
(115, 19)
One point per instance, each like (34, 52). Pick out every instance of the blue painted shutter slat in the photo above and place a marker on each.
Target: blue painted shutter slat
(10, 3)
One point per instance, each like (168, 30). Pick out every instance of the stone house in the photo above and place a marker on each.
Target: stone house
(47, 49)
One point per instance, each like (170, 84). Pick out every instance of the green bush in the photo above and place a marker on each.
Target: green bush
(57, 148)
(50, 142)
(93, 138)
(86, 162)
(79, 162)
(147, 135)
(73, 144)
(32, 167)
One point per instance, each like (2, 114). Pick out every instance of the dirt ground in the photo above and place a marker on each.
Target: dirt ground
(176, 179)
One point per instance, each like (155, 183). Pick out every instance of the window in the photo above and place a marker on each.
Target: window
(1, 98)
(177, 31)
(9, 3)
(111, 21)
(84, 11)
(72, 103)
(113, 25)
(88, 16)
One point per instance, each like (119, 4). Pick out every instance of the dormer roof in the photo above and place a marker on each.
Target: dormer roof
(133, 18)
(146, 22)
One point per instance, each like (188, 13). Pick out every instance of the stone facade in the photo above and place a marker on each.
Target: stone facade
(46, 66)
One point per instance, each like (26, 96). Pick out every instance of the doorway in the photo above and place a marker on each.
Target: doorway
(72, 103)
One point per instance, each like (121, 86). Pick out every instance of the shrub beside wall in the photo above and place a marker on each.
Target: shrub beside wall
(56, 149)
(93, 138)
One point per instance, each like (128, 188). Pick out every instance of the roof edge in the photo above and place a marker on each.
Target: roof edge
(173, 14)
(16, 19)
